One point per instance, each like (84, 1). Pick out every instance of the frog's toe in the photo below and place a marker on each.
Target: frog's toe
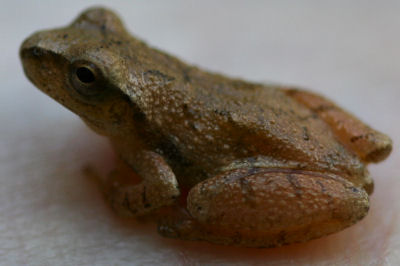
(272, 207)
(177, 223)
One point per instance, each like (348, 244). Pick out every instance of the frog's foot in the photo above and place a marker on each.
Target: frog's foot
(369, 144)
(261, 207)
(156, 187)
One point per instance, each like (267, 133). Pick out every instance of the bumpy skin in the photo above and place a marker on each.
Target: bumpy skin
(254, 164)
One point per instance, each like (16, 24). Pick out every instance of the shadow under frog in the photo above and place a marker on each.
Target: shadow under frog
(218, 159)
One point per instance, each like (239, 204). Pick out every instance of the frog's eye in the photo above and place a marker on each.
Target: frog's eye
(86, 78)
(85, 75)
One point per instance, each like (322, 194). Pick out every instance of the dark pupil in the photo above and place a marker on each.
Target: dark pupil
(85, 75)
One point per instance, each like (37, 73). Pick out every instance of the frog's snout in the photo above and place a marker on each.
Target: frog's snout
(31, 56)
(31, 53)
(41, 63)
(39, 45)
(31, 43)
(33, 60)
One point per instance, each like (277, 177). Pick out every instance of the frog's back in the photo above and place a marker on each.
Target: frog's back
(254, 119)
(205, 121)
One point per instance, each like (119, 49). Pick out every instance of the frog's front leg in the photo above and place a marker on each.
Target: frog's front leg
(158, 186)
(267, 207)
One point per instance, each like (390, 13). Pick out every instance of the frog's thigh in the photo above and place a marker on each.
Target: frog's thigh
(269, 207)
(158, 186)
(369, 144)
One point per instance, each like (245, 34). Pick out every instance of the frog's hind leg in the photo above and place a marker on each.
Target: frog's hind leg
(369, 144)
(261, 207)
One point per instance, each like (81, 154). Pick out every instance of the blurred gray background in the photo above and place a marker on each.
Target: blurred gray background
(52, 214)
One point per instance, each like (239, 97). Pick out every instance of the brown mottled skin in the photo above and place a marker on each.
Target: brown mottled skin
(256, 165)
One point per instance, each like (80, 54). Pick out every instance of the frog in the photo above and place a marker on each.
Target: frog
(208, 157)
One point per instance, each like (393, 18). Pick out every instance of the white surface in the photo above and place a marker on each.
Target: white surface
(51, 214)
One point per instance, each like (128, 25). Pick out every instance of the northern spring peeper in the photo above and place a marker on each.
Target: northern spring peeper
(220, 159)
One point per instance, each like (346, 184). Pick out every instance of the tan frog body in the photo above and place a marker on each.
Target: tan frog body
(219, 159)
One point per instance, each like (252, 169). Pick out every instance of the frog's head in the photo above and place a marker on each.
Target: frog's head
(83, 66)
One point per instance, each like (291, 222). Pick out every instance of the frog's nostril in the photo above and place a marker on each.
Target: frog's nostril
(36, 51)
(33, 52)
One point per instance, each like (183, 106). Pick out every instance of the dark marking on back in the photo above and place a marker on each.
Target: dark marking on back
(185, 74)
(323, 188)
(363, 136)
(157, 76)
(323, 108)
(306, 135)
